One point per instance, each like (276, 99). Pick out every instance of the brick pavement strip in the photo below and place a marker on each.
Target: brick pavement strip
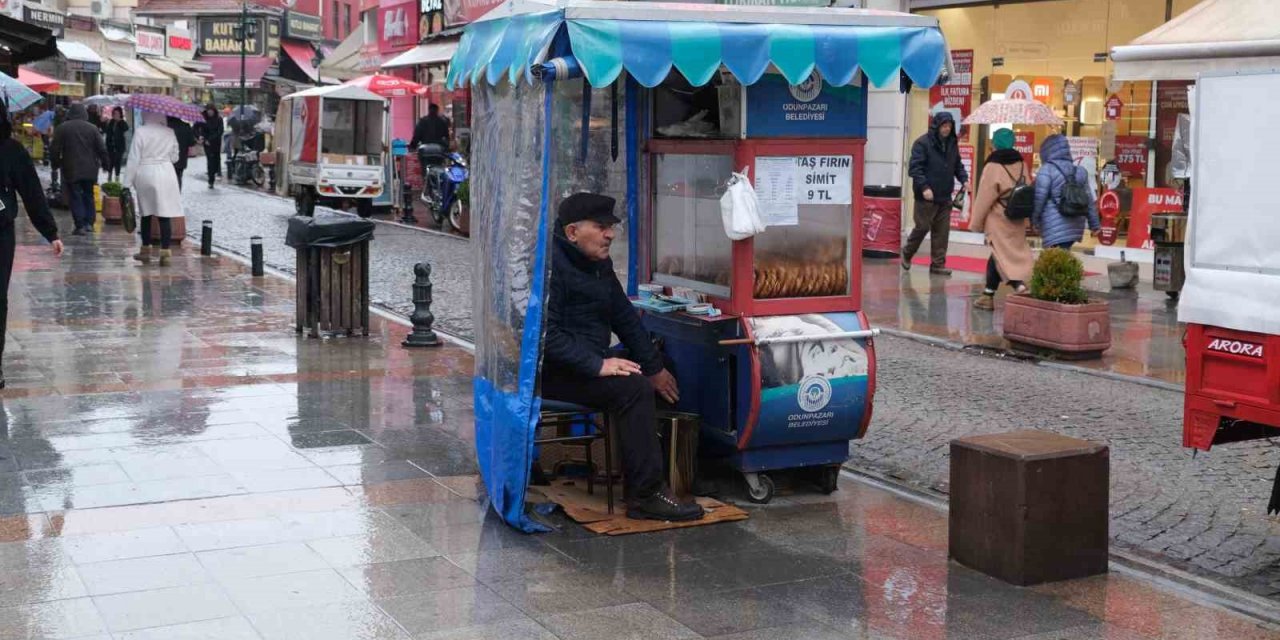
(1204, 512)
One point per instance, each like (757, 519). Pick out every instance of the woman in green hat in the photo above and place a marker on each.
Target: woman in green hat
(1011, 258)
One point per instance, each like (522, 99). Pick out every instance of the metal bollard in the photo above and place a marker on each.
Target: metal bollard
(255, 254)
(406, 198)
(271, 176)
(422, 318)
(206, 238)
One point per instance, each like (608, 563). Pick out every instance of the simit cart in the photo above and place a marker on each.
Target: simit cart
(1231, 298)
(658, 104)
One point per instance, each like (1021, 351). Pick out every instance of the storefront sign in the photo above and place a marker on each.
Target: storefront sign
(825, 179)
(955, 97)
(1024, 142)
(11, 8)
(301, 26)
(458, 12)
(150, 41)
(1145, 203)
(783, 183)
(47, 18)
(218, 36)
(430, 17)
(1042, 90)
(1113, 107)
(1109, 216)
(273, 37)
(1018, 90)
(812, 109)
(397, 25)
(960, 217)
(1131, 156)
(179, 44)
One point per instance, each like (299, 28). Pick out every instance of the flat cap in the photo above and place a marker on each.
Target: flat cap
(587, 206)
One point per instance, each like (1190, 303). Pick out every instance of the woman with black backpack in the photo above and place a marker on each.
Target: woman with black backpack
(1001, 206)
(1065, 201)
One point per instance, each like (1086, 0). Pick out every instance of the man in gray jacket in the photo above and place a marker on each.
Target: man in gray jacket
(79, 152)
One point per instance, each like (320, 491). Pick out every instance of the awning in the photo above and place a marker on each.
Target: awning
(81, 57)
(341, 62)
(21, 42)
(424, 54)
(131, 72)
(1213, 36)
(116, 34)
(226, 71)
(37, 82)
(172, 69)
(648, 39)
(69, 89)
(301, 54)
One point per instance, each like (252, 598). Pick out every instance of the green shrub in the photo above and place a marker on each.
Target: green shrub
(112, 189)
(1057, 277)
(464, 194)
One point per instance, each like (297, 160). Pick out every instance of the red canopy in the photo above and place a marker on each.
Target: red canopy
(301, 53)
(389, 86)
(37, 82)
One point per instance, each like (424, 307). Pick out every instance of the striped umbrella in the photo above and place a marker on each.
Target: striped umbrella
(18, 96)
(1013, 112)
(166, 105)
(389, 86)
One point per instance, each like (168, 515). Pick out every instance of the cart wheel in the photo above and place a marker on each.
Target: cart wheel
(829, 479)
(364, 207)
(258, 175)
(760, 487)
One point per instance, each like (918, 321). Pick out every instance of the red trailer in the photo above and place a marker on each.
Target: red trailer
(1231, 299)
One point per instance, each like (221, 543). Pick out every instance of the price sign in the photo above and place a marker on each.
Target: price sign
(1131, 156)
(1109, 212)
(1024, 142)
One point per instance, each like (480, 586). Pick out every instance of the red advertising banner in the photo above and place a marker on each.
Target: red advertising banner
(1024, 142)
(397, 25)
(960, 217)
(1109, 216)
(1145, 203)
(459, 12)
(1131, 156)
(956, 95)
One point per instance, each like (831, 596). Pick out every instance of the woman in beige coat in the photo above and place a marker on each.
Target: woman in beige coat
(1010, 259)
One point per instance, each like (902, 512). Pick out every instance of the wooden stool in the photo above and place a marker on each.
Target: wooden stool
(561, 415)
(1030, 506)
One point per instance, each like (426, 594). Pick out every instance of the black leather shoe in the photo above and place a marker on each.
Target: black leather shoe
(662, 506)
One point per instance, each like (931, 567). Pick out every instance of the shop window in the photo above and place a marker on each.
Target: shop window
(352, 128)
(690, 247)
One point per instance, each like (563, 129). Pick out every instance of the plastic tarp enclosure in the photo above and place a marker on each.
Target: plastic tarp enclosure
(1233, 254)
(512, 266)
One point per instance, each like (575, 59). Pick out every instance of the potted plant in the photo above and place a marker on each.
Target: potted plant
(111, 210)
(1057, 315)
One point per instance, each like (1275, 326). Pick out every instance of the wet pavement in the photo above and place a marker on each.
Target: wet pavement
(175, 462)
(1146, 337)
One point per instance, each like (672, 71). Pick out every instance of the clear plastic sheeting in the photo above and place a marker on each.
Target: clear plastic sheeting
(510, 235)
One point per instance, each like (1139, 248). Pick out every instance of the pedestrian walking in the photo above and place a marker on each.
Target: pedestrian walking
(186, 139)
(79, 152)
(154, 180)
(935, 167)
(209, 133)
(1065, 199)
(1011, 258)
(18, 179)
(115, 129)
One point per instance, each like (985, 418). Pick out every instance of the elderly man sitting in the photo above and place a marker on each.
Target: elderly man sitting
(587, 305)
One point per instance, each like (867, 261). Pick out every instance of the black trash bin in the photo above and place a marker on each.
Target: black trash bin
(333, 273)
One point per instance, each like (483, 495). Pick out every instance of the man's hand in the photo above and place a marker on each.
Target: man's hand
(618, 367)
(928, 194)
(665, 384)
(57, 248)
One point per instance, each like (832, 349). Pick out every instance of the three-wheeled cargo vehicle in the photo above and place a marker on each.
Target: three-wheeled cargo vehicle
(337, 142)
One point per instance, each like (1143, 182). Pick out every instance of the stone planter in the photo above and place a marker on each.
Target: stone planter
(178, 225)
(112, 212)
(1070, 331)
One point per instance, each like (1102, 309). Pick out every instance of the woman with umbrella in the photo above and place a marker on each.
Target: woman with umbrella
(154, 181)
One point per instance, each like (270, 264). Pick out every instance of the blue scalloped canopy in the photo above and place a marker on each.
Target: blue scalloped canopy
(506, 48)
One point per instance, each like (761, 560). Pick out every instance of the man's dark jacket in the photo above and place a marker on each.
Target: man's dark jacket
(78, 150)
(935, 161)
(587, 303)
(186, 139)
(210, 130)
(431, 130)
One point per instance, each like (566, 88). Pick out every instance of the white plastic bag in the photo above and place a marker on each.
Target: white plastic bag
(739, 208)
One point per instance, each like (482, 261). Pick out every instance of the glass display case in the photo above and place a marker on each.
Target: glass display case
(690, 248)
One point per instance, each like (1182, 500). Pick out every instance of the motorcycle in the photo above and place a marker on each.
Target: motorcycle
(245, 168)
(445, 173)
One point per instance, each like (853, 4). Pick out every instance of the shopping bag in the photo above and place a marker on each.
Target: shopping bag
(739, 208)
(128, 216)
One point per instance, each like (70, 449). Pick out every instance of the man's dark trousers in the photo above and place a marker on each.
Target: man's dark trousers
(632, 404)
(932, 219)
(82, 210)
